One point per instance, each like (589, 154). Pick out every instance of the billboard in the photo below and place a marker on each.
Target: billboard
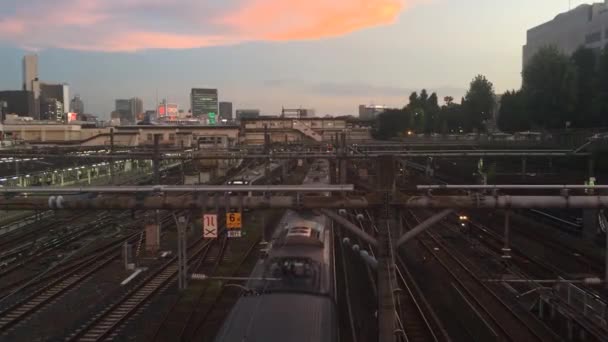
(168, 109)
(72, 117)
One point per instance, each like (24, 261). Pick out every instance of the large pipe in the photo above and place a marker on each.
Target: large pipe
(509, 187)
(183, 188)
(299, 155)
(506, 202)
(175, 202)
(351, 227)
(428, 223)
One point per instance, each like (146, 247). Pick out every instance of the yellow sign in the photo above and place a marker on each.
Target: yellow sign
(233, 220)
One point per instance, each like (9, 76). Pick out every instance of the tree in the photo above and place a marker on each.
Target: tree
(600, 102)
(478, 103)
(550, 88)
(449, 100)
(391, 123)
(585, 62)
(512, 116)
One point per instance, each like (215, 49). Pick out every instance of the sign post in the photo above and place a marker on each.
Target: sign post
(210, 226)
(234, 224)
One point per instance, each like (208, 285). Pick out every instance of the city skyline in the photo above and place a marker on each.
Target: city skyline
(375, 53)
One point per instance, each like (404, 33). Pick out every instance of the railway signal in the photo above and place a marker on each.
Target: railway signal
(233, 220)
(233, 223)
(210, 226)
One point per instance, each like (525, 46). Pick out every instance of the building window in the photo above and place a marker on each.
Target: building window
(171, 136)
(593, 37)
(150, 137)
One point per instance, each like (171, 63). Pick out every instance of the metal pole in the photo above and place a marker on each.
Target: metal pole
(156, 161)
(523, 167)
(606, 273)
(386, 305)
(111, 152)
(507, 249)
(182, 261)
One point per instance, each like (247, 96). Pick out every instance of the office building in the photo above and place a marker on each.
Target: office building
(226, 111)
(129, 111)
(584, 26)
(76, 105)
(32, 84)
(204, 102)
(52, 109)
(370, 112)
(297, 113)
(30, 71)
(50, 92)
(247, 114)
(18, 102)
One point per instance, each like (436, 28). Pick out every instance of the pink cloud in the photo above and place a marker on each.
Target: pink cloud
(131, 25)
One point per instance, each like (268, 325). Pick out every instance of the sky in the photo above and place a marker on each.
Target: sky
(329, 55)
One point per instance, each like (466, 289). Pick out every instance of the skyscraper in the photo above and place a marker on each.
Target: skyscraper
(203, 102)
(31, 83)
(30, 71)
(76, 105)
(49, 92)
(130, 110)
(226, 110)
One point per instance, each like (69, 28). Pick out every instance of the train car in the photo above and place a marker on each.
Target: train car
(256, 175)
(291, 293)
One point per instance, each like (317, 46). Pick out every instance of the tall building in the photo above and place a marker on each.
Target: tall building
(370, 112)
(204, 102)
(30, 71)
(50, 92)
(586, 25)
(17, 102)
(129, 110)
(76, 105)
(226, 110)
(32, 84)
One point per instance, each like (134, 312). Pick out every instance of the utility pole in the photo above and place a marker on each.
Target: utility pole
(386, 306)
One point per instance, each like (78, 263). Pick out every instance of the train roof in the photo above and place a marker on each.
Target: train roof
(281, 317)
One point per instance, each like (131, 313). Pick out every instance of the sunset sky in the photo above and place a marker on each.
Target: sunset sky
(328, 55)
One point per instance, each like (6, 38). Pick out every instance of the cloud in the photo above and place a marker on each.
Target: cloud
(131, 25)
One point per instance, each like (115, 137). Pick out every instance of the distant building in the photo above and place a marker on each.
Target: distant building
(204, 103)
(247, 114)
(50, 92)
(76, 105)
(18, 102)
(129, 110)
(52, 110)
(226, 110)
(370, 112)
(586, 25)
(30, 71)
(297, 113)
(31, 83)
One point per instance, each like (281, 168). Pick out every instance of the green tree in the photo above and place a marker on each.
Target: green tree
(585, 61)
(550, 88)
(600, 101)
(390, 124)
(478, 103)
(512, 116)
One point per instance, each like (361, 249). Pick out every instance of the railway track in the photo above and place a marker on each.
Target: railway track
(64, 282)
(502, 319)
(105, 323)
(415, 317)
(212, 312)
